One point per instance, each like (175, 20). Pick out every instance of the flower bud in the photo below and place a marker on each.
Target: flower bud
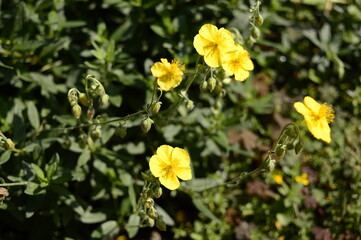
(146, 125)
(82, 141)
(9, 144)
(280, 152)
(223, 93)
(158, 192)
(83, 99)
(96, 133)
(121, 131)
(90, 113)
(104, 101)
(3, 193)
(150, 222)
(152, 213)
(149, 203)
(190, 105)
(271, 165)
(203, 86)
(156, 107)
(73, 96)
(259, 20)
(212, 83)
(256, 33)
(76, 111)
(250, 41)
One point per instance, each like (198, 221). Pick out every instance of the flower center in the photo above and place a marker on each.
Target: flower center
(166, 171)
(326, 112)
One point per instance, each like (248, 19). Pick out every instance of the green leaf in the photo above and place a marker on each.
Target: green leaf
(132, 226)
(39, 172)
(132, 197)
(84, 157)
(34, 189)
(201, 184)
(93, 217)
(204, 209)
(167, 219)
(53, 166)
(5, 156)
(106, 230)
(33, 114)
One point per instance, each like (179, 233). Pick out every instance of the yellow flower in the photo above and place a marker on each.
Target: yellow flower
(237, 62)
(278, 179)
(302, 179)
(212, 43)
(169, 164)
(169, 74)
(317, 117)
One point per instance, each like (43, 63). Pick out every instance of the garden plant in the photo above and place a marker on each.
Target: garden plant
(164, 119)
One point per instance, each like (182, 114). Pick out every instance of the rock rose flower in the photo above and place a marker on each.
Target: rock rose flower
(237, 62)
(212, 43)
(169, 74)
(317, 117)
(169, 164)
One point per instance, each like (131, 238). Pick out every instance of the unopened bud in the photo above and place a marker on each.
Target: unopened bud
(146, 125)
(259, 20)
(83, 99)
(203, 86)
(66, 144)
(149, 203)
(280, 152)
(104, 101)
(158, 192)
(90, 113)
(152, 213)
(76, 111)
(9, 144)
(271, 165)
(150, 222)
(96, 133)
(218, 105)
(73, 96)
(250, 41)
(212, 83)
(156, 107)
(190, 104)
(3, 193)
(121, 131)
(223, 93)
(256, 33)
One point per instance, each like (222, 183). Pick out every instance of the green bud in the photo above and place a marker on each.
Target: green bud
(149, 203)
(96, 133)
(152, 213)
(150, 222)
(259, 20)
(203, 86)
(73, 96)
(256, 33)
(104, 101)
(218, 105)
(212, 83)
(156, 107)
(158, 192)
(290, 146)
(146, 125)
(66, 144)
(271, 165)
(9, 144)
(250, 41)
(90, 113)
(76, 111)
(190, 105)
(280, 152)
(83, 99)
(82, 141)
(223, 93)
(121, 131)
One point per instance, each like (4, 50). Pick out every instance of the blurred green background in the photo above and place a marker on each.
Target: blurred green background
(306, 48)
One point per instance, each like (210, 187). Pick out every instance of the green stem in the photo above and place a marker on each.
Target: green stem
(13, 184)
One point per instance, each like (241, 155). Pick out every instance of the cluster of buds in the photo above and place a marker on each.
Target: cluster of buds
(6, 142)
(214, 85)
(256, 20)
(93, 89)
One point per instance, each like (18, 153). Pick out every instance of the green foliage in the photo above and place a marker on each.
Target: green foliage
(80, 179)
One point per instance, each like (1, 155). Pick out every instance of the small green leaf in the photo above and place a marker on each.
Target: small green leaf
(34, 189)
(106, 230)
(132, 226)
(53, 165)
(132, 196)
(84, 158)
(33, 114)
(39, 172)
(5, 156)
(204, 209)
(298, 147)
(93, 217)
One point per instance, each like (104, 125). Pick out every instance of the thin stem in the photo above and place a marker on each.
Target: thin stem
(13, 184)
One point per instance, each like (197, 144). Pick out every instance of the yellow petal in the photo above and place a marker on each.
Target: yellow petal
(180, 157)
(301, 108)
(184, 173)
(312, 104)
(241, 74)
(165, 83)
(199, 44)
(156, 166)
(158, 69)
(171, 181)
(247, 63)
(208, 31)
(164, 153)
(320, 130)
(213, 58)
(165, 62)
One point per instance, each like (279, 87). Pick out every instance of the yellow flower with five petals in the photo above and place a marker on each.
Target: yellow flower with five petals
(213, 43)
(303, 179)
(317, 117)
(237, 62)
(169, 164)
(169, 74)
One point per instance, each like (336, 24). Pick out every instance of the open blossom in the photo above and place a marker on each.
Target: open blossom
(213, 43)
(237, 62)
(169, 164)
(317, 117)
(169, 74)
(303, 179)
